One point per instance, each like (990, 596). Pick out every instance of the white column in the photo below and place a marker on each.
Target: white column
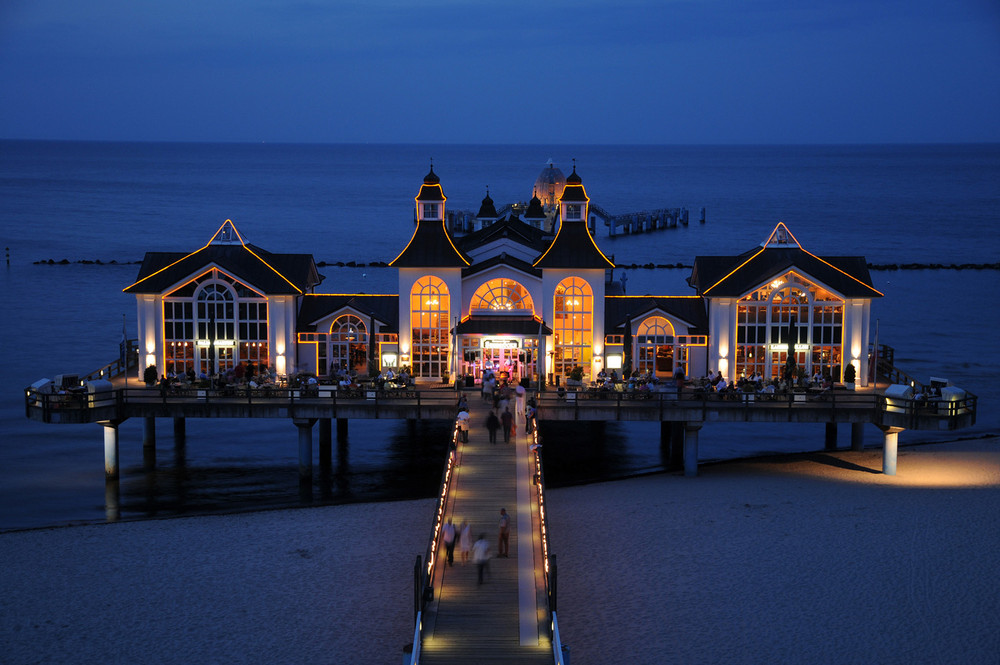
(889, 449)
(110, 450)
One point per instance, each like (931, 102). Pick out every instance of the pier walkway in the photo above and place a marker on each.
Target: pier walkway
(506, 619)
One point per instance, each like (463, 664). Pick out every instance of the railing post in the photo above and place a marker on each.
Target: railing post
(418, 592)
(553, 583)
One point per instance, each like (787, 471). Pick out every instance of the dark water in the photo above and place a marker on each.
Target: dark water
(115, 201)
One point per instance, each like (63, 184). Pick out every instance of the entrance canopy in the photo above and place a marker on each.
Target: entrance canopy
(502, 325)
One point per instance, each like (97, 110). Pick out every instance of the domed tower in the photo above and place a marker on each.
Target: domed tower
(549, 186)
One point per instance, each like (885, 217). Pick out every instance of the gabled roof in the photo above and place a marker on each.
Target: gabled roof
(735, 276)
(512, 228)
(274, 274)
(501, 259)
(318, 306)
(689, 309)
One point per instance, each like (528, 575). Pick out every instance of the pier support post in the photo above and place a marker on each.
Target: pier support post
(691, 448)
(342, 429)
(672, 445)
(180, 431)
(831, 436)
(304, 426)
(149, 443)
(889, 447)
(857, 436)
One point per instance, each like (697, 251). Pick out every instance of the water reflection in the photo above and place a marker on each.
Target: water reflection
(375, 461)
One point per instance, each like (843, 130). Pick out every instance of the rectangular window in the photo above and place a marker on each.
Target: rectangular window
(574, 211)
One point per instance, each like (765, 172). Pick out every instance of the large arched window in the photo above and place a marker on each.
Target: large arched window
(348, 345)
(213, 323)
(789, 317)
(655, 347)
(573, 325)
(502, 295)
(430, 305)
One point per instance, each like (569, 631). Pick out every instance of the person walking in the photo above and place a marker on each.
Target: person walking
(492, 425)
(465, 541)
(448, 537)
(503, 542)
(481, 555)
(507, 420)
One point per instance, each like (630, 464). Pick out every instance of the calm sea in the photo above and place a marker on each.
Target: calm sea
(111, 202)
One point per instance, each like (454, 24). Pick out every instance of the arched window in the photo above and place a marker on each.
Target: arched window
(573, 326)
(348, 345)
(655, 347)
(502, 295)
(430, 306)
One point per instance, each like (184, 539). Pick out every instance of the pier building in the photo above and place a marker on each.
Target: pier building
(527, 298)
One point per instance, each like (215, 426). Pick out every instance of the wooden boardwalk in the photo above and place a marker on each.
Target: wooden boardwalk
(505, 619)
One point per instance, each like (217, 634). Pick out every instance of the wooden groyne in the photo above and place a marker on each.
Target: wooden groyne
(649, 220)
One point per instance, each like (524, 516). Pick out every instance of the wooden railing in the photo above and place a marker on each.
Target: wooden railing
(81, 406)
(550, 568)
(423, 579)
(115, 368)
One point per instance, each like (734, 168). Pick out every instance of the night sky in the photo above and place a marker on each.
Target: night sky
(457, 71)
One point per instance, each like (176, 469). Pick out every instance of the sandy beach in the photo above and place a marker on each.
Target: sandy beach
(812, 558)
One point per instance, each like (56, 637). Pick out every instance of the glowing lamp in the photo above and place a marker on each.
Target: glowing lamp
(279, 362)
(150, 359)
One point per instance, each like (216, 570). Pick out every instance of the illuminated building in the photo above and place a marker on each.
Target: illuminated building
(530, 298)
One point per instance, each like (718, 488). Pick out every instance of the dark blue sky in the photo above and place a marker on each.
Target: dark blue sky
(466, 71)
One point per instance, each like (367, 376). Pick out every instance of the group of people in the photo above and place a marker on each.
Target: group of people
(500, 419)
(461, 536)
(247, 374)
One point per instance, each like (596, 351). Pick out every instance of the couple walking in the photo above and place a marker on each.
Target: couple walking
(481, 548)
(505, 421)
